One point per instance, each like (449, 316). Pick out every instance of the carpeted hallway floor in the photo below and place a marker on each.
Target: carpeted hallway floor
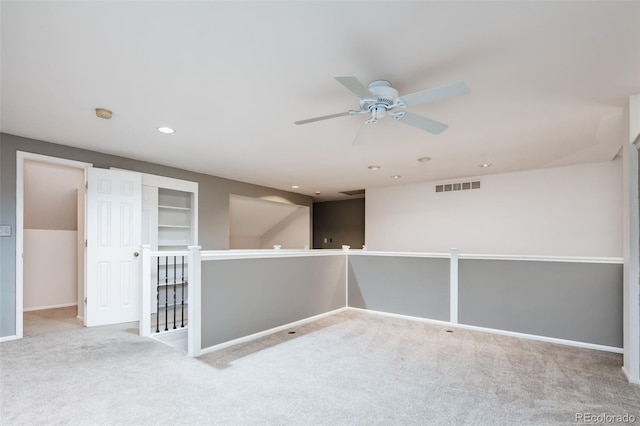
(351, 368)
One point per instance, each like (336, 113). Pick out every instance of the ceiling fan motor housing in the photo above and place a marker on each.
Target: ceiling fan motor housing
(385, 97)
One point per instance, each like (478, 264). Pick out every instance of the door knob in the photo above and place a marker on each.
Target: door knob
(136, 254)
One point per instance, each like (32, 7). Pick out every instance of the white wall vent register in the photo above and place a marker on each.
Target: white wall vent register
(459, 186)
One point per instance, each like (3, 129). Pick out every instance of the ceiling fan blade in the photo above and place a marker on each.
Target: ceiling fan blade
(325, 117)
(436, 94)
(420, 122)
(354, 85)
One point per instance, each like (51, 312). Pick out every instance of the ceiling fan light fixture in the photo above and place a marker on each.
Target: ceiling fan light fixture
(379, 111)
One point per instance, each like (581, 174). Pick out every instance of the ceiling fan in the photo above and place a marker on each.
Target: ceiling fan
(379, 98)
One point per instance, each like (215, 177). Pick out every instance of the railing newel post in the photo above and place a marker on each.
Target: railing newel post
(194, 343)
(453, 286)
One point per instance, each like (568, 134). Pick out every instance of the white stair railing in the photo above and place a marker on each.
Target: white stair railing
(164, 291)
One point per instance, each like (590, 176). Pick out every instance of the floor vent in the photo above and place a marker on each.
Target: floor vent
(460, 186)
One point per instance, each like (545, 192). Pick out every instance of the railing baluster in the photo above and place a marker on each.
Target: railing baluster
(174, 292)
(157, 297)
(166, 293)
(183, 286)
(179, 279)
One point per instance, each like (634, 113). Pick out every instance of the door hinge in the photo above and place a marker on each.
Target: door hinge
(86, 184)
(86, 243)
(85, 300)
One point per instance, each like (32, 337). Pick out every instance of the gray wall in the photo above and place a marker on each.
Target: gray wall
(213, 208)
(567, 300)
(342, 222)
(573, 301)
(411, 286)
(245, 296)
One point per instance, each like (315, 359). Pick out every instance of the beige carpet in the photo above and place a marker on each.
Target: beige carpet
(348, 369)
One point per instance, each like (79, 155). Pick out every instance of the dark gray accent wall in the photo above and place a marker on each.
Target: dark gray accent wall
(213, 203)
(246, 296)
(340, 222)
(573, 301)
(413, 286)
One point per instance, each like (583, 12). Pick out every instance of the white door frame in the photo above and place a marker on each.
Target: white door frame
(20, 159)
(631, 319)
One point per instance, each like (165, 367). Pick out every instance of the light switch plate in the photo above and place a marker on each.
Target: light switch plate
(5, 230)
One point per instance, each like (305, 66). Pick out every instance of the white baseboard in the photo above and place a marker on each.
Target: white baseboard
(269, 331)
(42, 308)
(400, 316)
(501, 332)
(634, 381)
(554, 340)
(8, 338)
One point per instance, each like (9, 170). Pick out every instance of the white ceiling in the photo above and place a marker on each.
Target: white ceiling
(549, 82)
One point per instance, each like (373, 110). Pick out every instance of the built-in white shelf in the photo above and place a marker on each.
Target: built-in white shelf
(186, 209)
(170, 224)
(178, 284)
(174, 218)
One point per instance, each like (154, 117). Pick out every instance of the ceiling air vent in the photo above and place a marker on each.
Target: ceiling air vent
(353, 192)
(458, 186)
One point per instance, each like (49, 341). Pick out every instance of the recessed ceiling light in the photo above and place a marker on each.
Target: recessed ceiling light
(424, 159)
(295, 186)
(318, 193)
(167, 130)
(374, 168)
(395, 177)
(485, 165)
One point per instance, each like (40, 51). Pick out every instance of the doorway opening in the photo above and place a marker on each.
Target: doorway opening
(50, 234)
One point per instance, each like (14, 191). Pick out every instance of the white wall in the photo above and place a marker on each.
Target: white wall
(50, 195)
(290, 233)
(563, 211)
(50, 269)
(260, 224)
(239, 242)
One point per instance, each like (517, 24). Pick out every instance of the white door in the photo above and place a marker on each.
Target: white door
(114, 204)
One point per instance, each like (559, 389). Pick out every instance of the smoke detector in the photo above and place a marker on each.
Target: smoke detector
(103, 113)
